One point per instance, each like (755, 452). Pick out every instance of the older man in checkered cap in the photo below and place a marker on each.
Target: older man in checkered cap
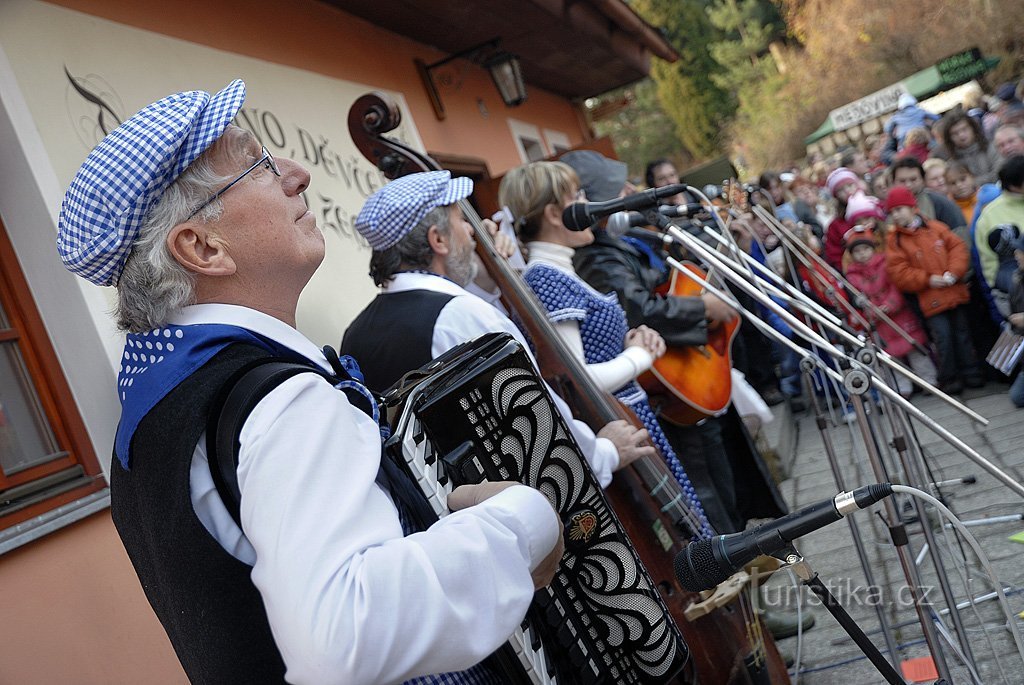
(423, 259)
(303, 570)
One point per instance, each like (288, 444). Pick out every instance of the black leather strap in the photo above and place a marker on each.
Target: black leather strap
(242, 393)
(232, 407)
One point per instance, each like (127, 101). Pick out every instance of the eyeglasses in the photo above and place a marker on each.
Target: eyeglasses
(267, 161)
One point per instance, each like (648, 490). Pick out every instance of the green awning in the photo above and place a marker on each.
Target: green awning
(921, 85)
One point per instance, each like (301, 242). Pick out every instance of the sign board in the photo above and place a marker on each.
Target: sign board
(867, 108)
(961, 67)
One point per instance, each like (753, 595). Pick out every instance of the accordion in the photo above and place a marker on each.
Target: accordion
(480, 413)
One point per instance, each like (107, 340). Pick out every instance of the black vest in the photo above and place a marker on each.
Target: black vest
(204, 597)
(394, 335)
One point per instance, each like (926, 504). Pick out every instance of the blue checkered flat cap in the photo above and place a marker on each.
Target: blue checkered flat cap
(125, 175)
(394, 210)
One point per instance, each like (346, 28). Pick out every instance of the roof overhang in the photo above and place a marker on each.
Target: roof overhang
(573, 48)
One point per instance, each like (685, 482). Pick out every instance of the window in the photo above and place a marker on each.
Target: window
(533, 146)
(528, 140)
(558, 142)
(46, 459)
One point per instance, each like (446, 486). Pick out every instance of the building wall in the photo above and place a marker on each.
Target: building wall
(73, 609)
(74, 613)
(313, 36)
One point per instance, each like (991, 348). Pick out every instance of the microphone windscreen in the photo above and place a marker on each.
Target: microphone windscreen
(575, 217)
(696, 568)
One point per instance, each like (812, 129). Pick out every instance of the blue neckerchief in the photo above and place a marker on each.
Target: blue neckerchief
(656, 261)
(155, 362)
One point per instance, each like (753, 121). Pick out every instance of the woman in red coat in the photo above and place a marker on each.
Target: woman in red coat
(842, 184)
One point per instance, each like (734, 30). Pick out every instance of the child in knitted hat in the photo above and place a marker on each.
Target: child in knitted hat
(926, 259)
(863, 212)
(866, 211)
(842, 184)
(867, 273)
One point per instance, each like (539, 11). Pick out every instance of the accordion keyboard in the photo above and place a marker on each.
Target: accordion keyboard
(430, 475)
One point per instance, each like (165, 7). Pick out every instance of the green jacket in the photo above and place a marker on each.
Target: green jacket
(1008, 208)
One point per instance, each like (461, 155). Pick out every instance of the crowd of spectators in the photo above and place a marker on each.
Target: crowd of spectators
(924, 221)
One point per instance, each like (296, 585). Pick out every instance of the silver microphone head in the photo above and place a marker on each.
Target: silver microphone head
(618, 224)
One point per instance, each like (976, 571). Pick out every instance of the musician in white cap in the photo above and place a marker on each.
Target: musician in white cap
(311, 575)
(422, 259)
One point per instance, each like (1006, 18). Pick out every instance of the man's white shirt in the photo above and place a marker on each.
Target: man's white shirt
(349, 599)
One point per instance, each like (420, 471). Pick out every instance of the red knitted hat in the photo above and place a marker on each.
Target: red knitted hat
(899, 196)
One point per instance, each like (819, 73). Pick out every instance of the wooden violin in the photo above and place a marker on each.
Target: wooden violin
(727, 642)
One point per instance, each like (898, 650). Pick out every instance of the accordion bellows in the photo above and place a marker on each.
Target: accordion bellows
(480, 412)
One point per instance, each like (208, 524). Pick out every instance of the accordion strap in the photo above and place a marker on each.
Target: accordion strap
(239, 397)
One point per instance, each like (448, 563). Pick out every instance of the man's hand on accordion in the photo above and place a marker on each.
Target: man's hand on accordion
(466, 496)
(630, 442)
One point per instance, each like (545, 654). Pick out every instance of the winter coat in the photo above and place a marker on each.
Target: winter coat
(614, 265)
(919, 151)
(929, 250)
(871, 279)
(907, 118)
(834, 243)
(1007, 208)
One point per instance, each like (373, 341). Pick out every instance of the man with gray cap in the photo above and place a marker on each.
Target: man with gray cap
(423, 259)
(727, 471)
(312, 574)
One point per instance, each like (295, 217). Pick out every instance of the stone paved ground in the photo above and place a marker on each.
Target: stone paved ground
(827, 656)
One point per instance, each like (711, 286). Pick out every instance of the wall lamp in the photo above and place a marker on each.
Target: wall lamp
(503, 67)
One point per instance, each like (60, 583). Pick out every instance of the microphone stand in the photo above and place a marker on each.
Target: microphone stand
(810, 578)
(908, 452)
(831, 322)
(897, 531)
(807, 369)
(912, 464)
(910, 456)
(742, 281)
(857, 379)
(806, 255)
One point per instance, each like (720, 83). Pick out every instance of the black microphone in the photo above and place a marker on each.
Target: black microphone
(706, 563)
(619, 223)
(579, 216)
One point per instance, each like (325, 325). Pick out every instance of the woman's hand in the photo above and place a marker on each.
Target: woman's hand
(503, 244)
(648, 339)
